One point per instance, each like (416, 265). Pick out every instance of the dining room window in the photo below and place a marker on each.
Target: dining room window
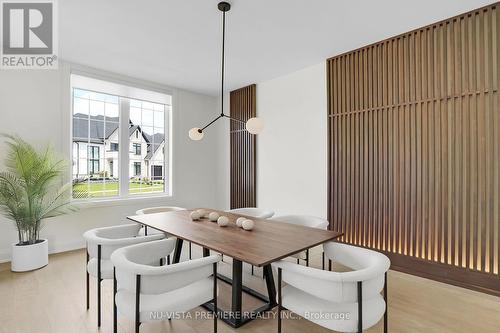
(148, 146)
(108, 116)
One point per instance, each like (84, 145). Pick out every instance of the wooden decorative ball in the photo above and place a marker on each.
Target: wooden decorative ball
(222, 221)
(213, 216)
(240, 220)
(202, 213)
(195, 215)
(247, 225)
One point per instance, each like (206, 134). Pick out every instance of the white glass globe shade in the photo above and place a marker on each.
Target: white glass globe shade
(194, 134)
(255, 125)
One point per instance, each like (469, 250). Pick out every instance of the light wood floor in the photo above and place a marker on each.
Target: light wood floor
(52, 300)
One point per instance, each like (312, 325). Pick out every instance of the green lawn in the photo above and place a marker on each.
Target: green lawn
(99, 189)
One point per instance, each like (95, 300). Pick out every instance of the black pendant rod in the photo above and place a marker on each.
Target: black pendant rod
(222, 62)
(223, 7)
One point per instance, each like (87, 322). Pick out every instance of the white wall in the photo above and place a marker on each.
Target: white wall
(221, 130)
(292, 149)
(34, 105)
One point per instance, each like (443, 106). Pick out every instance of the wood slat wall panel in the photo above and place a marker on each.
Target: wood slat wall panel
(243, 153)
(414, 149)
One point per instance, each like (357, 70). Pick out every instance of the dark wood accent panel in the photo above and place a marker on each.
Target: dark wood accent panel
(414, 149)
(243, 182)
(268, 241)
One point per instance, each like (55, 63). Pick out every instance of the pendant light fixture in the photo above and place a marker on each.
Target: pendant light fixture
(253, 125)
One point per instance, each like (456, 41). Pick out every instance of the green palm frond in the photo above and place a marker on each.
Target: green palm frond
(30, 188)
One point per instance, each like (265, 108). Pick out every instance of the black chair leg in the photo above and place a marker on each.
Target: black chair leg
(252, 269)
(279, 300)
(137, 303)
(386, 314)
(168, 259)
(115, 317)
(323, 260)
(215, 297)
(190, 250)
(360, 307)
(99, 285)
(307, 257)
(87, 273)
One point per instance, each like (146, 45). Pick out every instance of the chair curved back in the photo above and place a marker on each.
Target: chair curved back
(161, 209)
(258, 213)
(133, 260)
(113, 238)
(304, 220)
(368, 267)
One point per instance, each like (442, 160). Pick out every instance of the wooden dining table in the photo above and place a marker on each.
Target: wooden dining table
(267, 242)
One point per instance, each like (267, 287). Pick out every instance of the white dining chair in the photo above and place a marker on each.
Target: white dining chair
(255, 212)
(306, 221)
(258, 213)
(101, 242)
(152, 210)
(340, 301)
(143, 292)
(160, 209)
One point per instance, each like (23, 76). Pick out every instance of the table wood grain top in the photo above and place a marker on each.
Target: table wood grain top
(269, 240)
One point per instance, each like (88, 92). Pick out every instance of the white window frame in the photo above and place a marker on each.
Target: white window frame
(126, 90)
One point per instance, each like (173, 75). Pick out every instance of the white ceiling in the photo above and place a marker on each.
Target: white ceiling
(177, 42)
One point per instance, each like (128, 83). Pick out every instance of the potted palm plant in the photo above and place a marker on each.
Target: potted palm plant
(31, 191)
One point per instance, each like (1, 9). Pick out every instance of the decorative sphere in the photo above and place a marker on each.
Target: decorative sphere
(222, 221)
(213, 216)
(254, 125)
(240, 220)
(247, 225)
(202, 212)
(195, 215)
(194, 134)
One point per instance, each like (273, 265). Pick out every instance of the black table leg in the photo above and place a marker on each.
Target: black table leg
(177, 251)
(235, 317)
(271, 287)
(237, 291)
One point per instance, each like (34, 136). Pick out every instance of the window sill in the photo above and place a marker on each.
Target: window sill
(161, 199)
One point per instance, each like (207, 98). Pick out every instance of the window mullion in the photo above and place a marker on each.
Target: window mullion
(124, 144)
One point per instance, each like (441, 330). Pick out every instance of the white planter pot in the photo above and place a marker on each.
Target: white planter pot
(29, 257)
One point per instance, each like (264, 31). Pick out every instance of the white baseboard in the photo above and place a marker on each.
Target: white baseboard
(5, 254)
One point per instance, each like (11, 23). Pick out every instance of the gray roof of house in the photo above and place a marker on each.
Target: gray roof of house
(102, 127)
(155, 142)
(98, 131)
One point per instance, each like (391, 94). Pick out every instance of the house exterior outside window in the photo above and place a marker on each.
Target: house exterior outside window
(97, 144)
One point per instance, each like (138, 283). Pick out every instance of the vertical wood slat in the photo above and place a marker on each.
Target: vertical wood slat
(415, 146)
(242, 149)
